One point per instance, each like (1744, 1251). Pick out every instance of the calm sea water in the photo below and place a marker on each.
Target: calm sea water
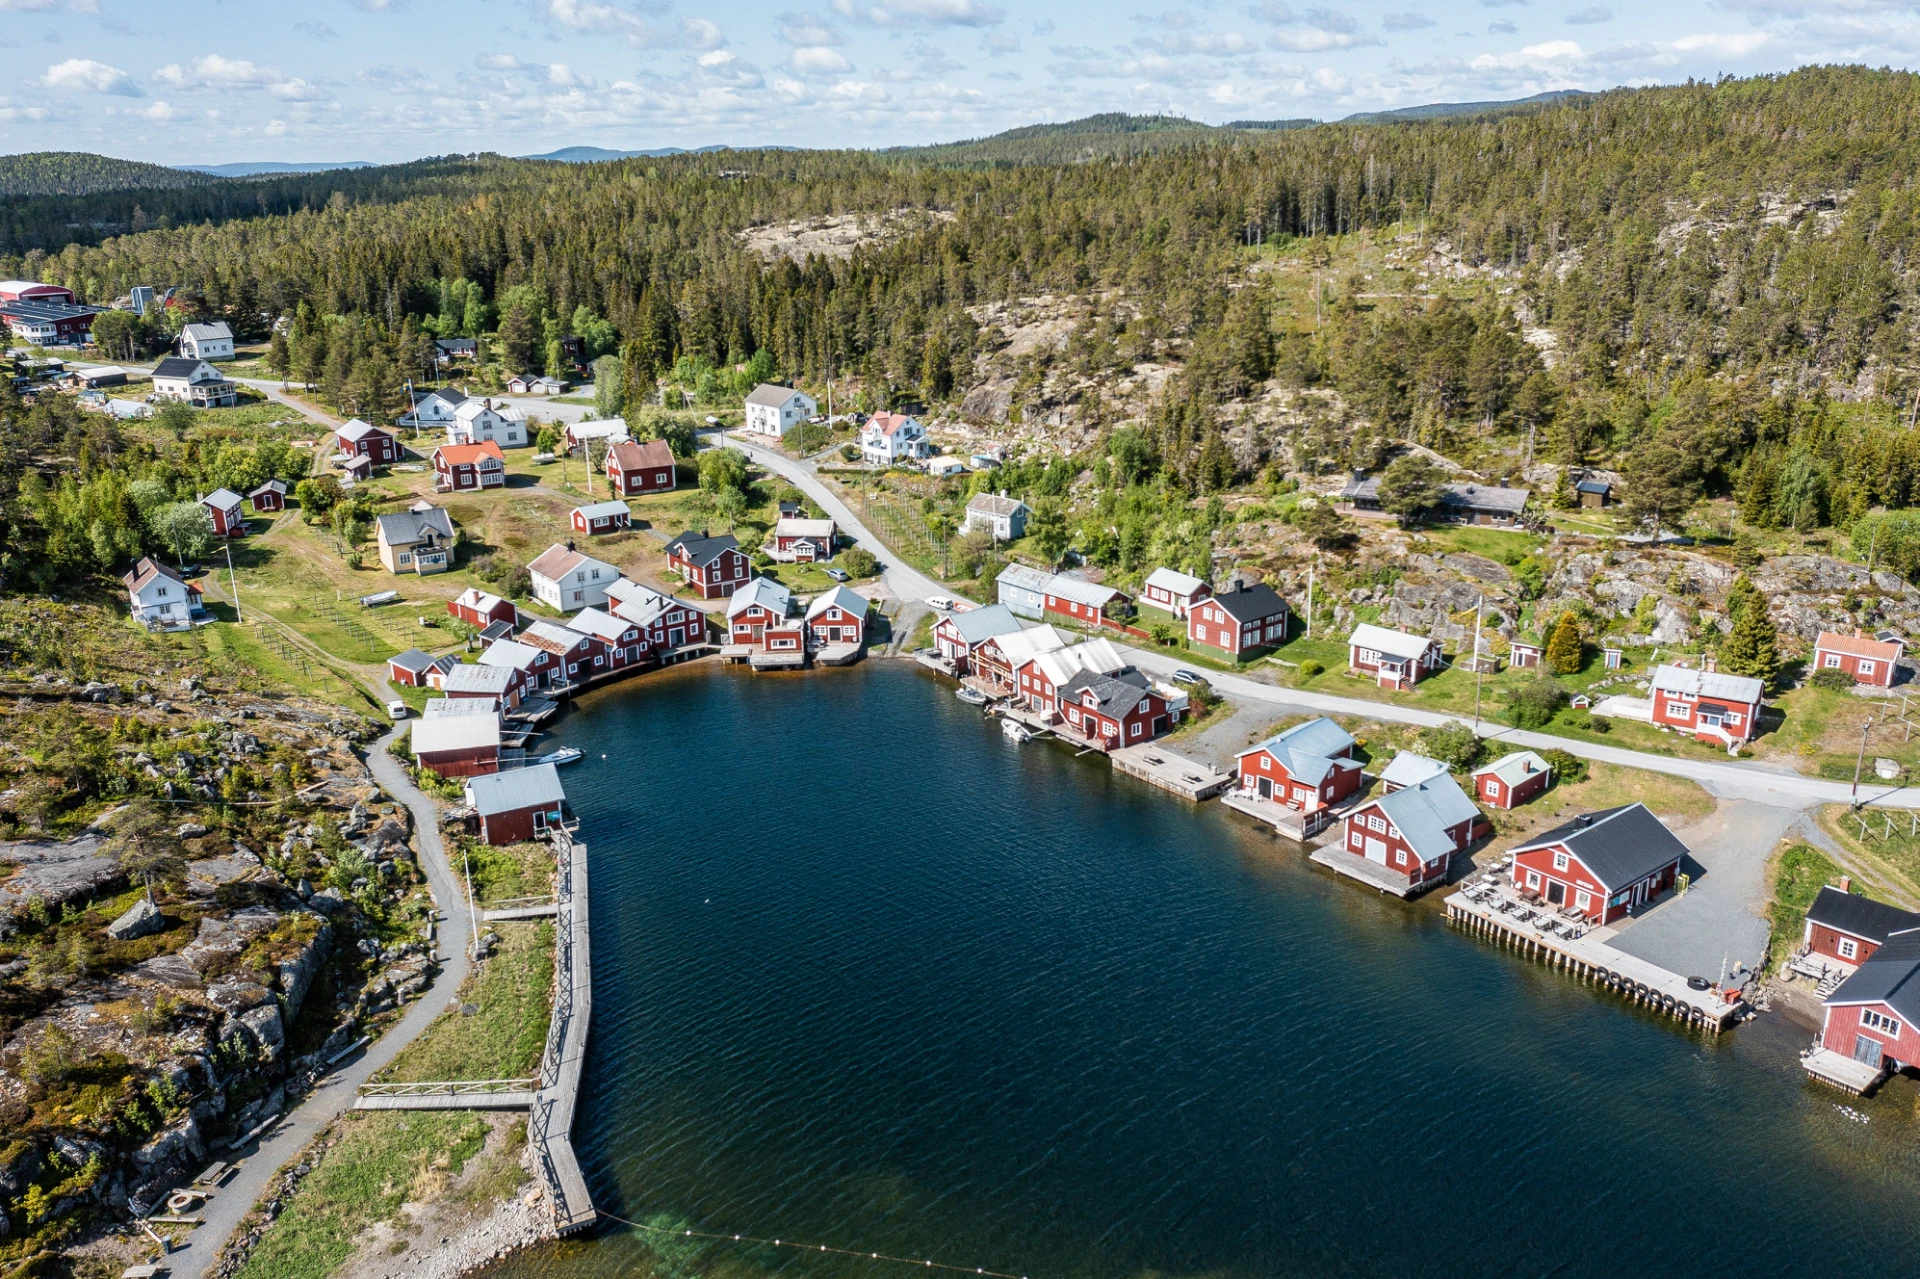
(868, 974)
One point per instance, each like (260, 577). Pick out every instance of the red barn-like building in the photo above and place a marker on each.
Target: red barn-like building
(636, 467)
(477, 608)
(1868, 661)
(1236, 623)
(1870, 1029)
(1308, 767)
(602, 517)
(1114, 710)
(1414, 832)
(223, 507)
(714, 566)
(515, 806)
(1845, 928)
(464, 468)
(269, 497)
(1512, 779)
(363, 439)
(1601, 864)
(1707, 705)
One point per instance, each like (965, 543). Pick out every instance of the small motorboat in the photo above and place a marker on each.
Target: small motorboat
(971, 696)
(1016, 731)
(565, 755)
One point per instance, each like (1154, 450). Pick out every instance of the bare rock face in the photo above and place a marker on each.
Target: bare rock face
(267, 1029)
(55, 873)
(172, 1146)
(1670, 625)
(142, 919)
(1478, 567)
(296, 974)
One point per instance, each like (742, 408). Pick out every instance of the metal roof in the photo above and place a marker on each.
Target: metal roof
(845, 597)
(1030, 579)
(1859, 916)
(1317, 736)
(483, 679)
(765, 592)
(977, 624)
(510, 655)
(225, 499)
(599, 623)
(1888, 977)
(995, 504)
(601, 510)
(1173, 580)
(1021, 646)
(771, 396)
(412, 660)
(1423, 814)
(455, 733)
(1409, 769)
(1685, 679)
(1621, 846)
(457, 707)
(1392, 643)
(1515, 767)
(521, 788)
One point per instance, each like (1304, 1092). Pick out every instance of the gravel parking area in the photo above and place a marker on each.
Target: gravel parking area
(1719, 918)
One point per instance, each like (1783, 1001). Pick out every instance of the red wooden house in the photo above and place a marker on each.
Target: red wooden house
(1084, 601)
(477, 608)
(1870, 1028)
(462, 468)
(413, 667)
(636, 467)
(802, 540)
(1113, 710)
(458, 745)
(667, 623)
(998, 659)
(1414, 832)
(571, 652)
(1845, 928)
(760, 615)
(1868, 661)
(957, 635)
(622, 643)
(223, 508)
(515, 806)
(1511, 780)
(506, 685)
(363, 439)
(533, 668)
(1172, 591)
(1239, 623)
(1309, 767)
(1041, 680)
(269, 497)
(1601, 864)
(1706, 704)
(714, 566)
(1395, 659)
(602, 517)
(837, 617)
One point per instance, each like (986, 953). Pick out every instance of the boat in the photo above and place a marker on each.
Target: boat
(1014, 729)
(971, 696)
(565, 755)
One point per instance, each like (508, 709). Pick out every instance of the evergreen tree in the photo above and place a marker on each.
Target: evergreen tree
(1411, 484)
(516, 341)
(279, 356)
(638, 377)
(1565, 652)
(1752, 647)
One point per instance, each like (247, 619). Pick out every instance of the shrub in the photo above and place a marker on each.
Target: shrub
(1837, 680)
(851, 452)
(1535, 703)
(859, 562)
(1453, 744)
(1308, 669)
(1567, 767)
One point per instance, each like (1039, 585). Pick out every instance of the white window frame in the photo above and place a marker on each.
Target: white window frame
(1559, 860)
(1831, 661)
(1877, 1021)
(1848, 948)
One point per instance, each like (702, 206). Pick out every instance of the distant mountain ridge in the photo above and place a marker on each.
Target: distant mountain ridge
(262, 168)
(600, 155)
(1439, 110)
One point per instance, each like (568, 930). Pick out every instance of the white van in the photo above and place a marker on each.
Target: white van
(397, 710)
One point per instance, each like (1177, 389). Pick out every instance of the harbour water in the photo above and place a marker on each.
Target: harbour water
(869, 974)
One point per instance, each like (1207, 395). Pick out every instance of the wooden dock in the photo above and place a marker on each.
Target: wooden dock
(1341, 862)
(1590, 958)
(1844, 1073)
(1296, 825)
(777, 661)
(1158, 766)
(550, 1124)
(839, 654)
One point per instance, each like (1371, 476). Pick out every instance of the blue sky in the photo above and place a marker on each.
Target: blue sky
(385, 80)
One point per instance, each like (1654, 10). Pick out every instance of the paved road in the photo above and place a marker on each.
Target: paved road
(336, 1093)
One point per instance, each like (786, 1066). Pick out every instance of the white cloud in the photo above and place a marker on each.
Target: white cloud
(799, 29)
(498, 62)
(932, 13)
(97, 77)
(216, 72)
(1724, 46)
(612, 19)
(1405, 21)
(276, 127)
(997, 44)
(819, 60)
(1312, 40)
(1314, 31)
(1551, 54)
(158, 112)
(858, 91)
(49, 6)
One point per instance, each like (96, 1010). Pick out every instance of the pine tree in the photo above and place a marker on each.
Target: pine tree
(1752, 647)
(516, 341)
(1565, 652)
(637, 376)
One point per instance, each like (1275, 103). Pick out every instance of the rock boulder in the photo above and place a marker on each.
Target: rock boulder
(142, 919)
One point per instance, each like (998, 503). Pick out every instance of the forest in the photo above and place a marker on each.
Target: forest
(1725, 270)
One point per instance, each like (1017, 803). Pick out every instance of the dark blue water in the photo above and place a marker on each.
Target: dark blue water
(867, 974)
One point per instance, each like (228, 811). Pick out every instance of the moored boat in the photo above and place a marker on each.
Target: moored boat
(1015, 730)
(971, 696)
(565, 755)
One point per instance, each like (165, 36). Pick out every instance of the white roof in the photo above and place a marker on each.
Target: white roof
(222, 498)
(849, 600)
(511, 654)
(775, 396)
(357, 430)
(1080, 591)
(600, 623)
(600, 510)
(456, 732)
(1020, 647)
(201, 332)
(1097, 655)
(1514, 768)
(458, 707)
(794, 527)
(472, 409)
(1684, 679)
(481, 679)
(765, 592)
(475, 598)
(1392, 643)
(1409, 769)
(559, 633)
(535, 787)
(604, 428)
(1179, 583)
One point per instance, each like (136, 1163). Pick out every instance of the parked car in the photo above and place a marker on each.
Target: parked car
(1185, 676)
(941, 602)
(839, 575)
(397, 710)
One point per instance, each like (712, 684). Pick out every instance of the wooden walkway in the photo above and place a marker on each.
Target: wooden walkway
(1158, 766)
(550, 1125)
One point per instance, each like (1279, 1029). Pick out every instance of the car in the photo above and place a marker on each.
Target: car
(839, 575)
(397, 710)
(1185, 676)
(940, 602)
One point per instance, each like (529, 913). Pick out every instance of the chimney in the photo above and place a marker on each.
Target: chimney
(569, 544)
(1585, 820)
(1846, 883)
(1709, 664)
(1503, 481)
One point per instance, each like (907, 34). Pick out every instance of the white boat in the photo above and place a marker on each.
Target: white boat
(565, 755)
(971, 696)
(1014, 729)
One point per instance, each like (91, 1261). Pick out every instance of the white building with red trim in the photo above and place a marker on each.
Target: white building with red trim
(1395, 659)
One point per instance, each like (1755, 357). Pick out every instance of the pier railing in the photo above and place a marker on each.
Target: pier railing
(450, 1088)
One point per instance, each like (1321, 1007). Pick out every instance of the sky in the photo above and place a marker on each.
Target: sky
(218, 81)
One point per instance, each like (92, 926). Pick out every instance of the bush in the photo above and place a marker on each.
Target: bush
(1837, 680)
(1453, 744)
(859, 562)
(1535, 703)
(1567, 767)
(851, 452)
(1308, 669)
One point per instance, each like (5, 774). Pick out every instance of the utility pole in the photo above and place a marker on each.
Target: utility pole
(1309, 634)
(233, 582)
(1865, 728)
(1479, 676)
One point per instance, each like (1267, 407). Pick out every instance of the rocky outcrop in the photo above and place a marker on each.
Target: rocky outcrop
(295, 973)
(173, 1146)
(56, 873)
(142, 919)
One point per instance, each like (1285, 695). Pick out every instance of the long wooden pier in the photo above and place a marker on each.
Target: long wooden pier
(1158, 766)
(550, 1123)
(1593, 960)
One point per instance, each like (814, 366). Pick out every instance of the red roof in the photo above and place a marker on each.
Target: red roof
(889, 422)
(631, 455)
(1858, 646)
(466, 454)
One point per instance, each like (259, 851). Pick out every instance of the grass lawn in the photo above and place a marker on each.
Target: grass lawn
(1504, 546)
(505, 1037)
(1794, 878)
(376, 1163)
(225, 644)
(1887, 861)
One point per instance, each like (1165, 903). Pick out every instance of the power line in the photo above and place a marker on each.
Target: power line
(813, 1247)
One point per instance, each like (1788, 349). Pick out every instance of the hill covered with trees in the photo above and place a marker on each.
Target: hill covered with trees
(82, 173)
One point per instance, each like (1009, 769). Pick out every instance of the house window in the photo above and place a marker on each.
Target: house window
(1583, 899)
(1376, 822)
(1849, 948)
(1136, 730)
(1533, 880)
(1865, 667)
(1355, 839)
(1559, 861)
(1832, 661)
(1678, 710)
(1873, 1019)
(405, 558)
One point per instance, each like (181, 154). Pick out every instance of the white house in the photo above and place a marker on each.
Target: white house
(1004, 517)
(207, 341)
(477, 421)
(434, 409)
(161, 599)
(1173, 591)
(775, 410)
(893, 437)
(565, 579)
(606, 430)
(191, 381)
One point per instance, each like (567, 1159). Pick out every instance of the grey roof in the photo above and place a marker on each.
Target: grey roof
(978, 624)
(201, 332)
(993, 504)
(412, 660)
(177, 366)
(701, 550)
(1621, 846)
(771, 395)
(765, 592)
(1859, 916)
(225, 499)
(1409, 769)
(1251, 603)
(1031, 579)
(1115, 695)
(466, 678)
(1308, 751)
(1479, 497)
(1423, 813)
(404, 528)
(452, 396)
(457, 707)
(1593, 486)
(1515, 767)
(1685, 679)
(1888, 977)
(520, 788)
